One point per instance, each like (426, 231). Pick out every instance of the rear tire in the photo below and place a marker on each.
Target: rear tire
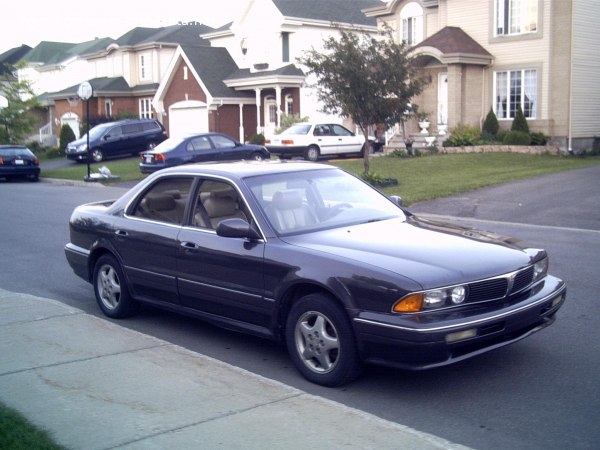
(110, 288)
(312, 153)
(320, 341)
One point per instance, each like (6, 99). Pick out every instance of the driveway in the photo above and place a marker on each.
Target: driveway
(568, 199)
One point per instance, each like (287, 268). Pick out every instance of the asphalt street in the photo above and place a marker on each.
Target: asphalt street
(543, 392)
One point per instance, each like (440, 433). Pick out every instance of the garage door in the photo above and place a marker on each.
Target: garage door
(188, 117)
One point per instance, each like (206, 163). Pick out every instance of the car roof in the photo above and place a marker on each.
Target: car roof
(244, 169)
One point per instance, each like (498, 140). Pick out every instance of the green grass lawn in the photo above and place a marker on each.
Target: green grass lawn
(443, 175)
(420, 178)
(16, 433)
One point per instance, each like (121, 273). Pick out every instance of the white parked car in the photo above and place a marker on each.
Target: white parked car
(312, 140)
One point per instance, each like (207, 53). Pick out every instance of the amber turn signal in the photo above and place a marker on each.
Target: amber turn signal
(409, 304)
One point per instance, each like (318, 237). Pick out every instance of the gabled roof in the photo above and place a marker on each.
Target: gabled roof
(339, 11)
(107, 86)
(174, 34)
(49, 53)
(452, 45)
(11, 57)
(92, 46)
(213, 64)
(180, 34)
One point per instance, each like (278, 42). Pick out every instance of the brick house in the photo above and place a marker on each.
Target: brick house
(248, 78)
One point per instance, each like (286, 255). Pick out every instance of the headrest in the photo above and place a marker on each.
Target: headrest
(287, 199)
(160, 202)
(220, 206)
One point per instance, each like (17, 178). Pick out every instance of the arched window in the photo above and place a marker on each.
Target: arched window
(411, 23)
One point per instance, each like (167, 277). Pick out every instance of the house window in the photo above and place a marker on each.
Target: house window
(285, 47)
(145, 108)
(144, 67)
(411, 17)
(289, 105)
(185, 73)
(516, 17)
(513, 89)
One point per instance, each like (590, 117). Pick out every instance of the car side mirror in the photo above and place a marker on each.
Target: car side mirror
(237, 228)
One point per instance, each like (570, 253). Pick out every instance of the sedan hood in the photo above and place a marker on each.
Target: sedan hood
(431, 253)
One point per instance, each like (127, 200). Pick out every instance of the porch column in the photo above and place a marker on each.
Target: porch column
(278, 101)
(455, 95)
(258, 127)
(241, 131)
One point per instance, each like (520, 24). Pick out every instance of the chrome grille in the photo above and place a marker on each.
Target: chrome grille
(486, 290)
(523, 279)
(499, 287)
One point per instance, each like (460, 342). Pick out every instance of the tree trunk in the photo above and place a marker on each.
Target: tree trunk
(366, 153)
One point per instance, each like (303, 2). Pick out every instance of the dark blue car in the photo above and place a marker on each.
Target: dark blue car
(18, 161)
(203, 147)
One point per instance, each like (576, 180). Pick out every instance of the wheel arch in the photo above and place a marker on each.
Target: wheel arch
(295, 292)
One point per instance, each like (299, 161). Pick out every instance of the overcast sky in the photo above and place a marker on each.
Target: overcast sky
(32, 21)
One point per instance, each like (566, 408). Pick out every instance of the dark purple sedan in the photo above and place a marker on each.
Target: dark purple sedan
(311, 256)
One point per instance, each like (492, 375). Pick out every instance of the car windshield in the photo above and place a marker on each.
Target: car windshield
(297, 129)
(306, 201)
(97, 131)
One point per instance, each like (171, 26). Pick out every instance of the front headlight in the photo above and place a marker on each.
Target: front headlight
(540, 269)
(81, 148)
(431, 299)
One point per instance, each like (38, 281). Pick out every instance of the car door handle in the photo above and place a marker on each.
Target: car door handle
(189, 245)
(121, 233)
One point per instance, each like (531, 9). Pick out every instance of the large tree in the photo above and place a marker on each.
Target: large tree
(16, 118)
(370, 79)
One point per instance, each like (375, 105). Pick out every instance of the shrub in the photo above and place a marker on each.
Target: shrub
(54, 152)
(519, 123)
(539, 139)
(258, 139)
(490, 125)
(516, 138)
(66, 136)
(463, 135)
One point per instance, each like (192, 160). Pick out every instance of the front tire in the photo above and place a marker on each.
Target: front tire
(256, 156)
(97, 155)
(312, 153)
(320, 341)
(111, 289)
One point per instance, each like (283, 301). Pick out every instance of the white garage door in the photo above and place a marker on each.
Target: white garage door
(188, 117)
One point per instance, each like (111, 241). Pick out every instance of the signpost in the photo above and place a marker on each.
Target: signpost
(85, 92)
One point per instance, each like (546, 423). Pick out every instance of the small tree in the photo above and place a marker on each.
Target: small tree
(369, 79)
(520, 122)
(490, 125)
(66, 135)
(16, 119)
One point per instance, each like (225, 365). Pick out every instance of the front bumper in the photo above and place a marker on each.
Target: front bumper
(425, 341)
(77, 156)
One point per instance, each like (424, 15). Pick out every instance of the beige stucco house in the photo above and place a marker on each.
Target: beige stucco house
(541, 55)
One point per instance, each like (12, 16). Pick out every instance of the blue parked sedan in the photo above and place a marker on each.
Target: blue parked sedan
(18, 161)
(202, 147)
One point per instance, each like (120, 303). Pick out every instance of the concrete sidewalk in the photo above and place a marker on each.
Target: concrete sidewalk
(96, 385)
